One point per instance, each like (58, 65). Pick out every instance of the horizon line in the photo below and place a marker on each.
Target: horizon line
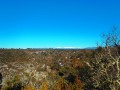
(51, 48)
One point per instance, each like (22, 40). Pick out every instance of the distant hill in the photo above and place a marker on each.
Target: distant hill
(91, 48)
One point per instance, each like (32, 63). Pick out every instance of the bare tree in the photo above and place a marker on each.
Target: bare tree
(106, 65)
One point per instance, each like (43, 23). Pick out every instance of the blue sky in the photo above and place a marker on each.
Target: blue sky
(56, 23)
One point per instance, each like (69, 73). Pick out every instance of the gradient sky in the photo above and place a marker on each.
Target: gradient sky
(56, 23)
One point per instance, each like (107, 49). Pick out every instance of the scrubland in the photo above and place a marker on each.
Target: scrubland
(62, 69)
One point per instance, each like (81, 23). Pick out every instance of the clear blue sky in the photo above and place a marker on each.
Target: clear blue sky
(56, 23)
